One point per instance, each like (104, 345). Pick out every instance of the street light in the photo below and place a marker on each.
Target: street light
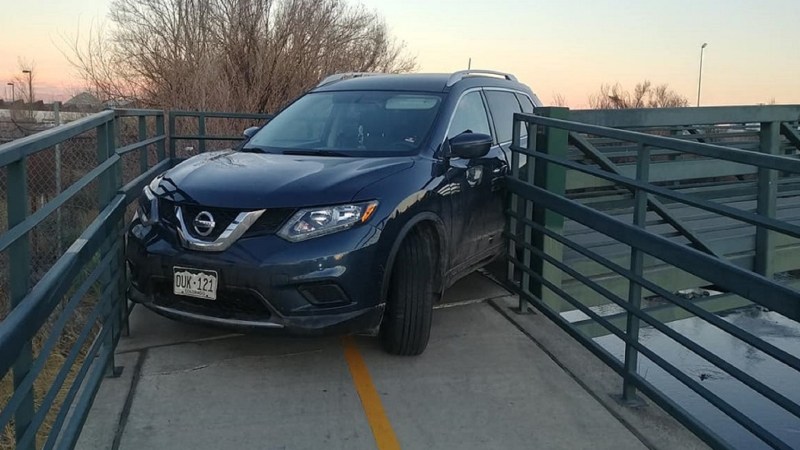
(700, 77)
(30, 85)
(12, 92)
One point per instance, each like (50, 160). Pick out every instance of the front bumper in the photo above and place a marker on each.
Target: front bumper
(326, 285)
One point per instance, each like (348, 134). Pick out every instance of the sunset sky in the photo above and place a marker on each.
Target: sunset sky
(566, 47)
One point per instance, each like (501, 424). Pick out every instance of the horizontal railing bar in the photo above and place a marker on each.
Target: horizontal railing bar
(676, 373)
(687, 117)
(669, 405)
(134, 112)
(23, 322)
(221, 115)
(73, 354)
(81, 409)
(24, 227)
(737, 373)
(766, 161)
(206, 137)
(751, 286)
(721, 209)
(19, 148)
(750, 339)
(141, 144)
(27, 383)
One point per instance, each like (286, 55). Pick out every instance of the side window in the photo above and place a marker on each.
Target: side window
(470, 116)
(527, 105)
(503, 105)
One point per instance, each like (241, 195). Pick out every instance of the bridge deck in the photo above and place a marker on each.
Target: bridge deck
(482, 383)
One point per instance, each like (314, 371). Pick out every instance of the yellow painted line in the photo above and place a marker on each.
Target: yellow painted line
(370, 399)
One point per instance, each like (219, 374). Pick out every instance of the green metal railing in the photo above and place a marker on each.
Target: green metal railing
(540, 206)
(82, 290)
(74, 308)
(178, 133)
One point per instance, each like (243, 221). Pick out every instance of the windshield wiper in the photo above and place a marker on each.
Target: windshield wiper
(252, 149)
(311, 152)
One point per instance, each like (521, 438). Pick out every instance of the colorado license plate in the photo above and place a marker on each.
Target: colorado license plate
(197, 283)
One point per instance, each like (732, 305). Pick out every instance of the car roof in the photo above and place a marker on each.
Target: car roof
(418, 82)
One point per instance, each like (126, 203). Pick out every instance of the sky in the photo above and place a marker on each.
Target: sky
(557, 47)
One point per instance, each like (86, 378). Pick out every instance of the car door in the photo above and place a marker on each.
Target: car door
(475, 187)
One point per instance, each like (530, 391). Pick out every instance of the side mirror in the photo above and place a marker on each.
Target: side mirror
(248, 133)
(470, 145)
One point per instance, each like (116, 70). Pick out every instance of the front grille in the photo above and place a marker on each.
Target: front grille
(222, 217)
(166, 212)
(270, 222)
(230, 304)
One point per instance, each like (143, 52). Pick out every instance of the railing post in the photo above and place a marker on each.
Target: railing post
(161, 145)
(767, 195)
(109, 184)
(512, 204)
(171, 128)
(57, 122)
(634, 289)
(551, 177)
(528, 207)
(143, 151)
(19, 273)
(201, 131)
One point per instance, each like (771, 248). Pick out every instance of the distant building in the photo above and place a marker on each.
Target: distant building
(85, 101)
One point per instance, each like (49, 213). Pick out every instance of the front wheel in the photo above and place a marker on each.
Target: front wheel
(409, 307)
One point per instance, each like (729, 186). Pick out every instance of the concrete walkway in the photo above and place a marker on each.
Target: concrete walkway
(482, 383)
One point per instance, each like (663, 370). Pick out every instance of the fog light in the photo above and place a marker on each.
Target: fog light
(324, 294)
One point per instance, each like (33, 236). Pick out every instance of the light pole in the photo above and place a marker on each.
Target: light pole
(700, 77)
(30, 85)
(12, 92)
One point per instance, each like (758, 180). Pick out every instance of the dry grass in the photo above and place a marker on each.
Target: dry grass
(53, 364)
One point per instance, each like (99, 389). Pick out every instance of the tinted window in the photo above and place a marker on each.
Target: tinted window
(470, 116)
(527, 105)
(503, 105)
(358, 123)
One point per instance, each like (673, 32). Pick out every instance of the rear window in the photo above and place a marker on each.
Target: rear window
(357, 123)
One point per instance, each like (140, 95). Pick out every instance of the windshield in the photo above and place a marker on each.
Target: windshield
(350, 123)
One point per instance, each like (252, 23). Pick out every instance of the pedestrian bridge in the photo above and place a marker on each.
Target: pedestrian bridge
(636, 239)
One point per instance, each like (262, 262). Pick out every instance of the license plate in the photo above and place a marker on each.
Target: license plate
(197, 283)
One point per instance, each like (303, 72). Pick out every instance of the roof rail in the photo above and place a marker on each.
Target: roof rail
(346, 76)
(461, 74)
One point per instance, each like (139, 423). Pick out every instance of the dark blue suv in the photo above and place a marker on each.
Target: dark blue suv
(351, 211)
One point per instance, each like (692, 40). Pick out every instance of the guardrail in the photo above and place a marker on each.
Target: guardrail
(62, 319)
(64, 314)
(178, 133)
(537, 242)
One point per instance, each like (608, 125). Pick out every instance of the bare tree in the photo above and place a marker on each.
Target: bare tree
(644, 95)
(253, 55)
(559, 100)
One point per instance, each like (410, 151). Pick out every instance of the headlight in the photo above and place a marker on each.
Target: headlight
(148, 204)
(314, 222)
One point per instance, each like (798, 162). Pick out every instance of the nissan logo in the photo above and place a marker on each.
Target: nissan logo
(204, 223)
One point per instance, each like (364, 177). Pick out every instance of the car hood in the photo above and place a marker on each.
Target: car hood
(258, 180)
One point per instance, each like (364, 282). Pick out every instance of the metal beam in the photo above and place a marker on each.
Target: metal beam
(665, 117)
(589, 150)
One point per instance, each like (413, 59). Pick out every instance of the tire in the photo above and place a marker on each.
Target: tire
(409, 307)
